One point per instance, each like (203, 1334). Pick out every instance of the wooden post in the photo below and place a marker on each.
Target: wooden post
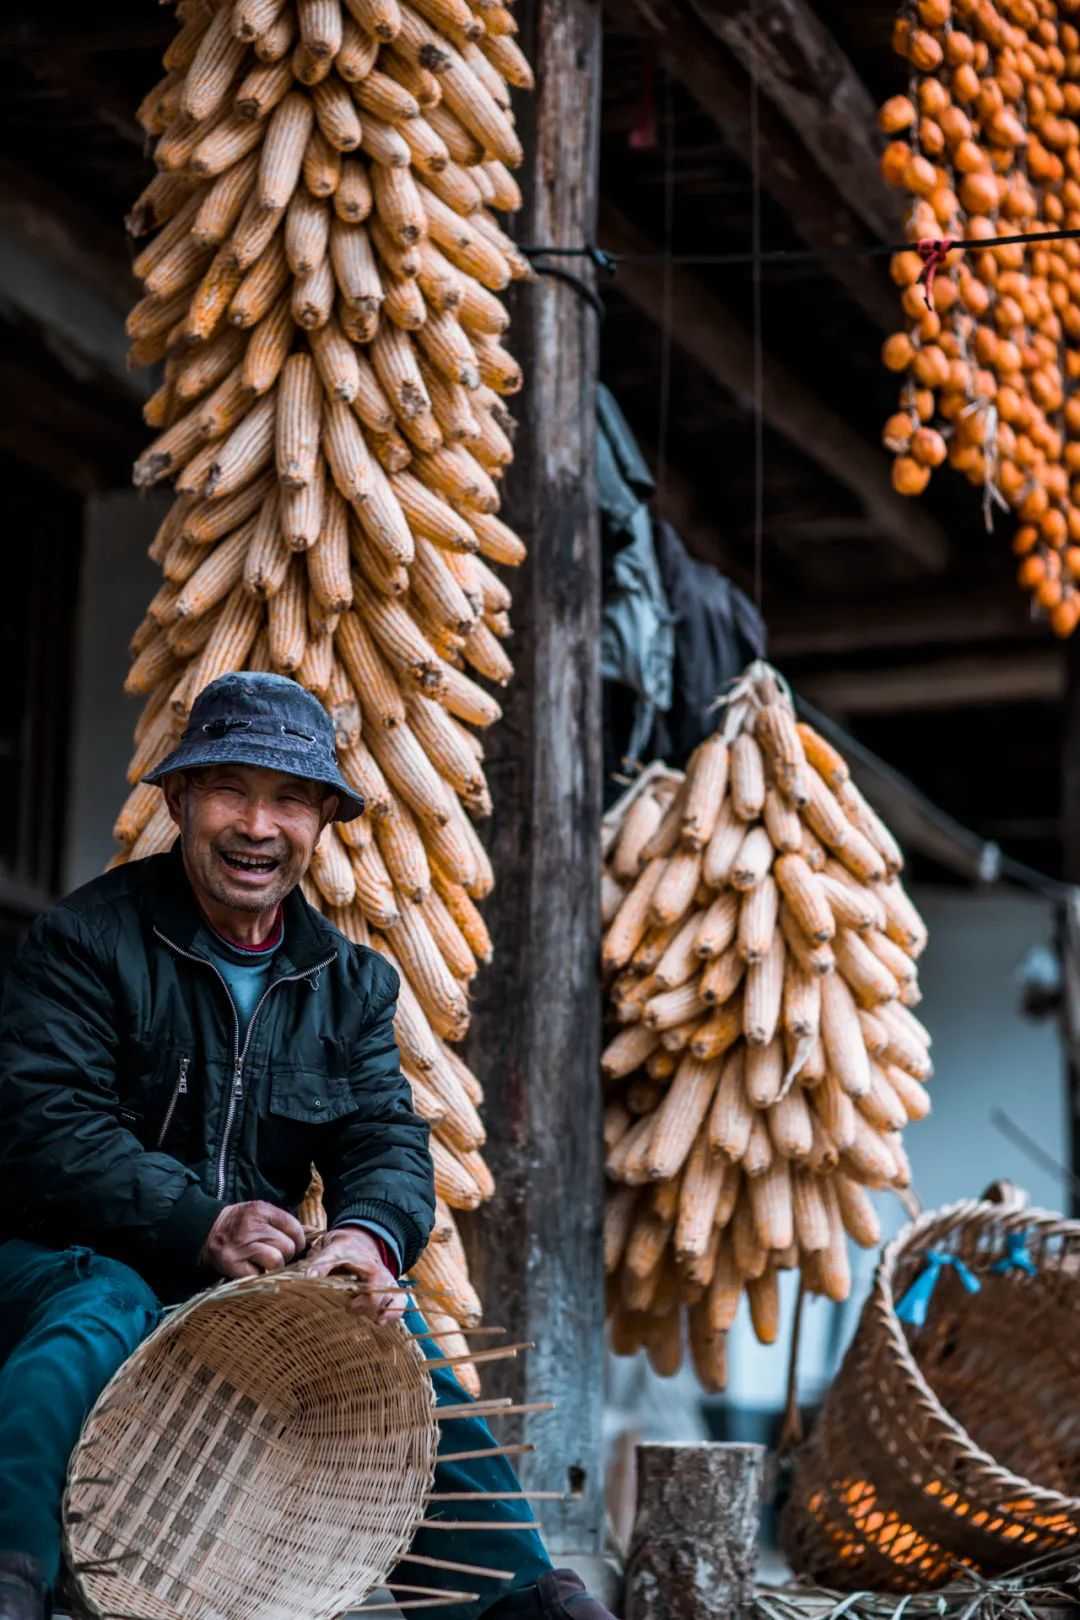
(694, 1550)
(535, 1250)
(1069, 915)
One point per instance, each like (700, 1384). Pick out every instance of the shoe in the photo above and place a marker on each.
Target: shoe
(24, 1592)
(558, 1596)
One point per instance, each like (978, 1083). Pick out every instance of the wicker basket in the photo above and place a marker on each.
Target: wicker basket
(265, 1452)
(957, 1441)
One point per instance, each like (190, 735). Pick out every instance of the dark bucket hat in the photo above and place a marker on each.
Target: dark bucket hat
(265, 720)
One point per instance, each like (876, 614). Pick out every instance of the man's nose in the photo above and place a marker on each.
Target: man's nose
(257, 821)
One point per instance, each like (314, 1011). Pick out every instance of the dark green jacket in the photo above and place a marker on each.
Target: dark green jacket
(130, 1114)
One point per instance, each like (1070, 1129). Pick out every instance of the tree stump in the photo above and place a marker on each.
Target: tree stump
(693, 1555)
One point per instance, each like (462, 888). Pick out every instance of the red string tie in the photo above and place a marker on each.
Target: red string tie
(933, 254)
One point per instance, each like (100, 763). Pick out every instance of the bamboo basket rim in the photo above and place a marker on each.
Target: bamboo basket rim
(928, 1231)
(121, 1396)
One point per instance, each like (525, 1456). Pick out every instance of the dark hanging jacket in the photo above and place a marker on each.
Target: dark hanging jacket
(718, 631)
(132, 1110)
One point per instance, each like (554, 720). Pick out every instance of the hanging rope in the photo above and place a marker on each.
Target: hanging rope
(756, 319)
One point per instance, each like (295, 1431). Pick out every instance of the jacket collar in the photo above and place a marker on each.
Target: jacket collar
(309, 938)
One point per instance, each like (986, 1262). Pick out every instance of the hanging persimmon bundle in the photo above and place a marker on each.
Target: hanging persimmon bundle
(761, 956)
(321, 289)
(986, 144)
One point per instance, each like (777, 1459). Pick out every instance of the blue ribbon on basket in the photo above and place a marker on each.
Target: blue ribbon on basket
(916, 1302)
(1016, 1256)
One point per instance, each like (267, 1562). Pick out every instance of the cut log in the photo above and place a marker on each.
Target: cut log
(694, 1550)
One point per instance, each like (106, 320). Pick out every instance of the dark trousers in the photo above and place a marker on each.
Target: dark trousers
(70, 1317)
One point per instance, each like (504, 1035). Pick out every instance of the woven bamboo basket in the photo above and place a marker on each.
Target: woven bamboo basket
(954, 1442)
(265, 1452)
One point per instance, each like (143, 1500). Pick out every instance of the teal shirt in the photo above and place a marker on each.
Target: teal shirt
(246, 973)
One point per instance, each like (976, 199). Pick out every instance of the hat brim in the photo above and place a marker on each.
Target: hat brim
(239, 750)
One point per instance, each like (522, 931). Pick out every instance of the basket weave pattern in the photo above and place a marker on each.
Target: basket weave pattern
(266, 1451)
(957, 1442)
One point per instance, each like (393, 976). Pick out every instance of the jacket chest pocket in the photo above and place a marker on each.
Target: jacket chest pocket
(303, 1107)
(303, 1097)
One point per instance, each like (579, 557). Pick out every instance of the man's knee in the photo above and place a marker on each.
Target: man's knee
(100, 1285)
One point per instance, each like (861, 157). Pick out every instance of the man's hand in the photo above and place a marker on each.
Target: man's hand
(247, 1240)
(351, 1249)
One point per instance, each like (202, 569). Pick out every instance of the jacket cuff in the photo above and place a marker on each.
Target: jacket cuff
(391, 1256)
(186, 1229)
(406, 1235)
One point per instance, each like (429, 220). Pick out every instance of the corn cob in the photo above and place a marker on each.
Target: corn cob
(230, 641)
(321, 165)
(287, 620)
(302, 510)
(328, 560)
(403, 850)
(378, 694)
(357, 54)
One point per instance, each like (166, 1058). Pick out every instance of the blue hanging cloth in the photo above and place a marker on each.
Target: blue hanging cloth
(1016, 1256)
(916, 1302)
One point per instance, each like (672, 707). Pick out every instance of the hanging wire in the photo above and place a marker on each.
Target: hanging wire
(609, 262)
(667, 291)
(757, 322)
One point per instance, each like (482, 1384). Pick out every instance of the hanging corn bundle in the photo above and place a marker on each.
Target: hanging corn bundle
(760, 955)
(986, 144)
(320, 286)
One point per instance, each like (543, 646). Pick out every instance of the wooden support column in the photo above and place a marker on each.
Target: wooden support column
(1069, 916)
(536, 1248)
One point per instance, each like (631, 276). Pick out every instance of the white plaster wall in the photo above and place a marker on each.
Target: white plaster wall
(118, 580)
(987, 1055)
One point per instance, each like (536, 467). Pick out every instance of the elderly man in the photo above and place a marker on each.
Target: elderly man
(178, 1041)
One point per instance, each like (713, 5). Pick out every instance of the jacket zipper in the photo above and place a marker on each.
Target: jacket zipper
(239, 1053)
(179, 1090)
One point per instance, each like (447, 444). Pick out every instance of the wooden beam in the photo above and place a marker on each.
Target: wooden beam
(1033, 676)
(58, 273)
(88, 33)
(537, 1251)
(818, 212)
(679, 502)
(813, 84)
(903, 619)
(718, 341)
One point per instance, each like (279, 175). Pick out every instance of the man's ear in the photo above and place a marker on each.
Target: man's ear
(329, 811)
(173, 788)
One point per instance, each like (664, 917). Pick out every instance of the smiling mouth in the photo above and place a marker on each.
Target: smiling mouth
(257, 865)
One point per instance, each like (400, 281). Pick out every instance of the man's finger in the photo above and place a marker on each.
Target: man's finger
(239, 1268)
(265, 1256)
(268, 1237)
(364, 1305)
(284, 1222)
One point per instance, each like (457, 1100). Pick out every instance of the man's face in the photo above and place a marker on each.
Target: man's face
(248, 833)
